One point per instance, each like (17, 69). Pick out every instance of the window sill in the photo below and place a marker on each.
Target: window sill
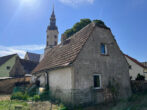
(98, 89)
(104, 54)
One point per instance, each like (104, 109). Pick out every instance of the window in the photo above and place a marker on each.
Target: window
(8, 67)
(97, 81)
(103, 49)
(55, 43)
(47, 43)
(55, 37)
(47, 36)
(130, 67)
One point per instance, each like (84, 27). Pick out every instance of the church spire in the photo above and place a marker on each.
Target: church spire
(52, 33)
(52, 21)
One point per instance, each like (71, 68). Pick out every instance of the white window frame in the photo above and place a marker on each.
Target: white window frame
(100, 81)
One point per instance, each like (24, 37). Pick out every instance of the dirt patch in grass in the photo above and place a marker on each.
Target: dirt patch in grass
(4, 97)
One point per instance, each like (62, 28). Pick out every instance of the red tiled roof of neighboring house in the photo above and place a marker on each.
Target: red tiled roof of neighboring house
(135, 61)
(65, 54)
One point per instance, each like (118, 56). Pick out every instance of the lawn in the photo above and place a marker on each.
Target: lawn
(10, 105)
(136, 102)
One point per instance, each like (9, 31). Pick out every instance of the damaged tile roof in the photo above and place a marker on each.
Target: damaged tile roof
(5, 58)
(65, 53)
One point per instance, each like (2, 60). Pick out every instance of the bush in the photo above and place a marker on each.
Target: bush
(33, 90)
(140, 77)
(36, 97)
(19, 96)
(62, 107)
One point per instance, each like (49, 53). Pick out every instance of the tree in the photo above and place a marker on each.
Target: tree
(79, 25)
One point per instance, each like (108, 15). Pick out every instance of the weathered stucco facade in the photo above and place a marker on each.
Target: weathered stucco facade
(111, 67)
(73, 82)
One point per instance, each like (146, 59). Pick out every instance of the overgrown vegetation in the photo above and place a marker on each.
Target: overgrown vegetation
(10, 105)
(79, 25)
(32, 93)
(140, 77)
(20, 96)
(113, 87)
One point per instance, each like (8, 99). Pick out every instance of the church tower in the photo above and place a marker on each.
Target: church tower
(52, 33)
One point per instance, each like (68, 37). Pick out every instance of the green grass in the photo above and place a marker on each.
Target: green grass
(136, 102)
(10, 105)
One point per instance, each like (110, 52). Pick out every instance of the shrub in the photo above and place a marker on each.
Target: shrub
(62, 107)
(33, 90)
(140, 77)
(19, 96)
(36, 97)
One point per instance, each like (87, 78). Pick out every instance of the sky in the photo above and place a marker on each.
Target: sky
(23, 23)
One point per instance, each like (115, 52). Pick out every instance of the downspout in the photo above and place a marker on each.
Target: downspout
(47, 79)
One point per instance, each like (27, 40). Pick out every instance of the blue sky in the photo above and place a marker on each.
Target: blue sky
(23, 23)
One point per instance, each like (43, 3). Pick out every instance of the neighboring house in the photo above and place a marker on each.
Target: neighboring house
(6, 64)
(22, 68)
(81, 69)
(32, 57)
(135, 68)
(145, 70)
(145, 64)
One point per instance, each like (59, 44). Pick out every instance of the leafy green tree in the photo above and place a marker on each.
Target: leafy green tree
(79, 25)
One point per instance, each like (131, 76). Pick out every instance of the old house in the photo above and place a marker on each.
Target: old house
(80, 69)
(22, 68)
(32, 57)
(135, 68)
(6, 64)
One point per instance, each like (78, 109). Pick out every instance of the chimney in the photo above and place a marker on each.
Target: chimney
(63, 38)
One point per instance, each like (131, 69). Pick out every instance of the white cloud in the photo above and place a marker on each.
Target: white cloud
(76, 2)
(20, 50)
